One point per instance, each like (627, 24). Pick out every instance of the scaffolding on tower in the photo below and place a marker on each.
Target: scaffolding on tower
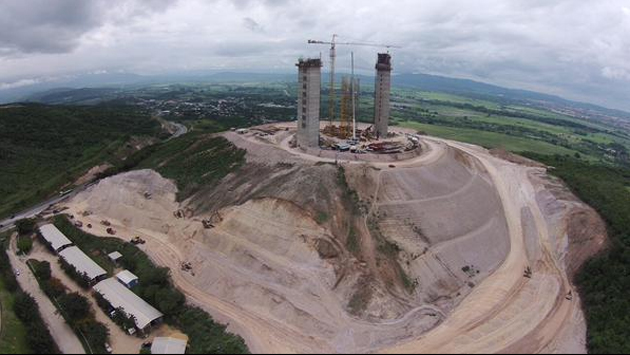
(347, 115)
(333, 55)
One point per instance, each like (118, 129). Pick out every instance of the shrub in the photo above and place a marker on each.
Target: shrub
(24, 307)
(26, 310)
(208, 337)
(81, 279)
(24, 244)
(123, 319)
(42, 269)
(25, 226)
(75, 306)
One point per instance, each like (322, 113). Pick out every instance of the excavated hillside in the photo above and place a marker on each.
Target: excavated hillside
(303, 255)
(327, 249)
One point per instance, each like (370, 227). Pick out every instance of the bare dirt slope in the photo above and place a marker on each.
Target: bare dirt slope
(307, 256)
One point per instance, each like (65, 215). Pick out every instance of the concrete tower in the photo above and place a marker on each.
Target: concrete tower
(309, 89)
(381, 94)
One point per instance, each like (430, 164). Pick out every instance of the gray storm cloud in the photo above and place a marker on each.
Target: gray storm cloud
(574, 48)
(56, 26)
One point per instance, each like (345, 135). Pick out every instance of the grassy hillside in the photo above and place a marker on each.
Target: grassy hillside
(489, 139)
(43, 147)
(13, 336)
(194, 161)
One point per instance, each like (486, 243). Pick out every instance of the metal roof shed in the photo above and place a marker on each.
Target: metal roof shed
(115, 256)
(119, 296)
(84, 265)
(54, 237)
(168, 346)
(127, 278)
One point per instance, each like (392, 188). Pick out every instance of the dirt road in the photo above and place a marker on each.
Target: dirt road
(506, 308)
(506, 311)
(62, 333)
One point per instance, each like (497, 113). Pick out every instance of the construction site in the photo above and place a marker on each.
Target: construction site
(345, 237)
(341, 132)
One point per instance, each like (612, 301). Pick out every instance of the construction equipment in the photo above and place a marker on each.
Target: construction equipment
(137, 240)
(207, 224)
(333, 56)
(528, 273)
(186, 266)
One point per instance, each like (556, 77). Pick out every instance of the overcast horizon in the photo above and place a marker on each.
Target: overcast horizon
(574, 49)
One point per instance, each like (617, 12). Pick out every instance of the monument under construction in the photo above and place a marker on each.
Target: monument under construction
(381, 94)
(309, 94)
(309, 91)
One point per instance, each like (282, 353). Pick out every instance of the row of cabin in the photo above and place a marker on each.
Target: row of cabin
(71, 254)
(117, 290)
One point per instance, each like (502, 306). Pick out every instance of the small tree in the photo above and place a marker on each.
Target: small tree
(75, 306)
(24, 244)
(42, 269)
(25, 226)
(25, 307)
(124, 320)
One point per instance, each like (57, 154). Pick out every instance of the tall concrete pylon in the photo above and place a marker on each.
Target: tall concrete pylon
(309, 95)
(382, 91)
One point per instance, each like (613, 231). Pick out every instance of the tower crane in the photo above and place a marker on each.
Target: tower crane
(333, 56)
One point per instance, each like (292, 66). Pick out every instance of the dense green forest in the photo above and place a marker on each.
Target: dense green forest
(43, 147)
(604, 281)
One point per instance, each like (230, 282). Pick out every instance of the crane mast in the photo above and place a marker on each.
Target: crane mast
(331, 93)
(333, 56)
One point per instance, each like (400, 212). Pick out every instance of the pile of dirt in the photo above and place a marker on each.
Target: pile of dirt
(142, 199)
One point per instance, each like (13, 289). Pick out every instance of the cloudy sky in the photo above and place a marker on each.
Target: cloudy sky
(574, 48)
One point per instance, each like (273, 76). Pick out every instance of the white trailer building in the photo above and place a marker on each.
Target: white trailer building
(119, 296)
(82, 263)
(54, 238)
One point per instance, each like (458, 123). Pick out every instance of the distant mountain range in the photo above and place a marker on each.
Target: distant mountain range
(94, 84)
(476, 89)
